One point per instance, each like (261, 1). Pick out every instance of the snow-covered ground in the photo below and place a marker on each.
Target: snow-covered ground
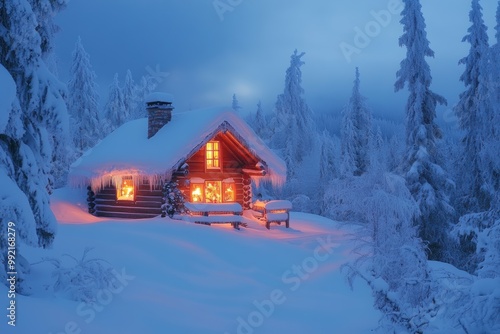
(178, 277)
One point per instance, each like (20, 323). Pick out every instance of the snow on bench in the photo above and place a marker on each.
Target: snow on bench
(276, 211)
(215, 213)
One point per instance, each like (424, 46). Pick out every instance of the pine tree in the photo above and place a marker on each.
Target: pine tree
(475, 114)
(327, 169)
(378, 156)
(235, 104)
(259, 122)
(492, 145)
(129, 94)
(347, 145)
(114, 111)
(291, 107)
(395, 266)
(83, 101)
(356, 133)
(290, 150)
(378, 139)
(173, 200)
(33, 144)
(143, 89)
(52, 91)
(428, 182)
(495, 64)
(45, 11)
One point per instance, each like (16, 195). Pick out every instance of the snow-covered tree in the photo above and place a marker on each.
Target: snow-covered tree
(378, 153)
(83, 101)
(394, 264)
(356, 133)
(378, 139)
(235, 104)
(428, 182)
(259, 122)
(129, 95)
(52, 91)
(495, 60)
(492, 144)
(395, 152)
(173, 200)
(33, 142)
(114, 111)
(290, 150)
(45, 11)
(327, 169)
(143, 89)
(291, 107)
(475, 113)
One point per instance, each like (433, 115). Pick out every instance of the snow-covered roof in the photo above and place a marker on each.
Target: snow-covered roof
(127, 150)
(159, 97)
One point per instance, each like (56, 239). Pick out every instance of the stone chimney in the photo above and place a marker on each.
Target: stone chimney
(159, 108)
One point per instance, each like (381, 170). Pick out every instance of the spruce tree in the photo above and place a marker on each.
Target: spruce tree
(114, 110)
(259, 122)
(52, 91)
(83, 101)
(428, 183)
(173, 200)
(143, 89)
(235, 104)
(475, 114)
(492, 146)
(327, 169)
(291, 107)
(394, 264)
(129, 94)
(33, 144)
(356, 133)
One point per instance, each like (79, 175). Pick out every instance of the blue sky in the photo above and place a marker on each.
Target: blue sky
(245, 47)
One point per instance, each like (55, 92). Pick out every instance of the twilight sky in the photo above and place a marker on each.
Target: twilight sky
(245, 47)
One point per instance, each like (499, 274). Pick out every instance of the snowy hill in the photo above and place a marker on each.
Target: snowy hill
(177, 277)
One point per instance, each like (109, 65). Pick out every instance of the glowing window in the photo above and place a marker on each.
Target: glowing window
(125, 190)
(197, 192)
(213, 192)
(229, 192)
(213, 155)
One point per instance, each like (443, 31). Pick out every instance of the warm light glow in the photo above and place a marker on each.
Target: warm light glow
(125, 191)
(229, 195)
(213, 155)
(196, 193)
(213, 192)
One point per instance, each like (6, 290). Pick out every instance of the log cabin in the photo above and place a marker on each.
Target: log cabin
(212, 154)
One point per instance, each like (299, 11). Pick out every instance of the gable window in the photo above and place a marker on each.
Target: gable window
(213, 155)
(125, 190)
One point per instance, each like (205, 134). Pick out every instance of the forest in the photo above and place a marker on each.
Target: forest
(417, 193)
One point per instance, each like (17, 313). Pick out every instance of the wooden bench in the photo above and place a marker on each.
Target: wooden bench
(216, 213)
(277, 211)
